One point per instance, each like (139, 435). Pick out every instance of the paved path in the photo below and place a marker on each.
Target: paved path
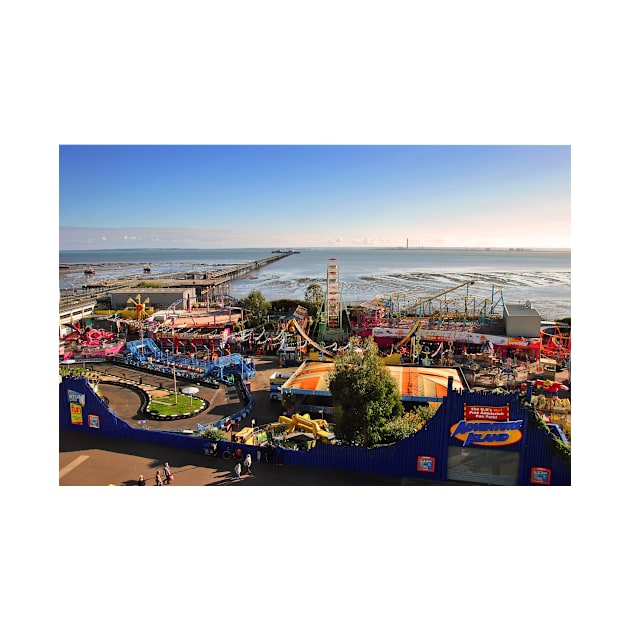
(91, 460)
(87, 460)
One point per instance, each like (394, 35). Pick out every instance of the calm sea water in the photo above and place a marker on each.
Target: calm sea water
(541, 277)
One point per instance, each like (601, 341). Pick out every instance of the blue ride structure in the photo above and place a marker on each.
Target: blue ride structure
(145, 353)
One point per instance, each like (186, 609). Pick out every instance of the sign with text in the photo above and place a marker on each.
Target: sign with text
(540, 476)
(76, 414)
(76, 398)
(425, 464)
(485, 412)
(484, 425)
(77, 402)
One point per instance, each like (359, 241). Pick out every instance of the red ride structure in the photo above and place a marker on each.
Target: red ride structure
(555, 341)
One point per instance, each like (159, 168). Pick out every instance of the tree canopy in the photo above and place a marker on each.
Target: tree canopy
(314, 294)
(411, 421)
(314, 297)
(257, 306)
(365, 396)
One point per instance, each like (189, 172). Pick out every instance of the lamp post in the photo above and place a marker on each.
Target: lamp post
(174, 379)
(174, 375)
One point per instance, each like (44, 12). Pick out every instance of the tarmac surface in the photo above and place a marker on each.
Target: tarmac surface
(89, 460)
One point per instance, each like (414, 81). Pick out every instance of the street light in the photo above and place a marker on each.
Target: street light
(174, 379)
(174, 375)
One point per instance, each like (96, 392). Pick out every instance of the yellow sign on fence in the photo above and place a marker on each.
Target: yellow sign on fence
(76, 414)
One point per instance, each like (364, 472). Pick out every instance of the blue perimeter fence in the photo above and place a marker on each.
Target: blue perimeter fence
(536, 447)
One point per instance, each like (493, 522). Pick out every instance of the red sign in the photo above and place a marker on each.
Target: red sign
(425, 464)
(482, 412)
(540, 476)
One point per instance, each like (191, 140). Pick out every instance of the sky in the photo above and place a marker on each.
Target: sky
(223, 196)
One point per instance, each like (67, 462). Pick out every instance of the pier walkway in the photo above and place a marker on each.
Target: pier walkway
(214, 283)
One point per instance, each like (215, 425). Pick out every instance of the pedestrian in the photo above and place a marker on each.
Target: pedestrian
(168, 476)
(158, 478)
(268, 452)
(142, 481)
(247, 464)
(237, 470)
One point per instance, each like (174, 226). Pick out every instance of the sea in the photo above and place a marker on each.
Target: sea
(540, 278)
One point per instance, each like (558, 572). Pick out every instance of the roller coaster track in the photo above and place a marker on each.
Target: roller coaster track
(428, 300)
(293, 323)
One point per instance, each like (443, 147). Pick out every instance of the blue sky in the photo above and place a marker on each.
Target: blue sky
(211, 196)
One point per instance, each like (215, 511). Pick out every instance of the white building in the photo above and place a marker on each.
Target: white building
(521, 320)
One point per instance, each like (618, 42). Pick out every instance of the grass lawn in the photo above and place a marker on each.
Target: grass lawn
(168, 407)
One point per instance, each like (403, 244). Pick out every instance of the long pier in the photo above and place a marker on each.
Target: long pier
(212, 283)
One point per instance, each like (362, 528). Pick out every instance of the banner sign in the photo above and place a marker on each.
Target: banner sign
(76, 414)
(77, 402)
(381, 331)
(483, 412)
(76, 397)
(484, 425)
(461, 336)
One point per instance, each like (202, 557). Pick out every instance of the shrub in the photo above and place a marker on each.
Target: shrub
(214, 434)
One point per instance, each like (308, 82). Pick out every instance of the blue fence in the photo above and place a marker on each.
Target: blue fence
(536, 447)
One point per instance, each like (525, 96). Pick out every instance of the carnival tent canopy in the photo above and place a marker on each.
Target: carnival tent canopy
(415, 383)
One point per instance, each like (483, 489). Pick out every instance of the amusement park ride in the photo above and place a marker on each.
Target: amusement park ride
(140, 307)
(330, 316)
(555, 341)
(406, 327)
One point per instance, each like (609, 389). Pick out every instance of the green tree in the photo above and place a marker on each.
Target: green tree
(314, 298)
(365, 395)
(314, 294)
(215, 434)
(410, 422)
(257, 306)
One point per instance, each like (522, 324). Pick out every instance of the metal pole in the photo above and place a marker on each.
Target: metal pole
(174, 379)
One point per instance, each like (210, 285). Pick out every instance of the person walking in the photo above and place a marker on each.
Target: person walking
(247, 464)
(237, 470)
(158, 478)
(142, 481)
(168, 476)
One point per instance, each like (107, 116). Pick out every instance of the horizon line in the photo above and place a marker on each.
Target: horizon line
(317, 247)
